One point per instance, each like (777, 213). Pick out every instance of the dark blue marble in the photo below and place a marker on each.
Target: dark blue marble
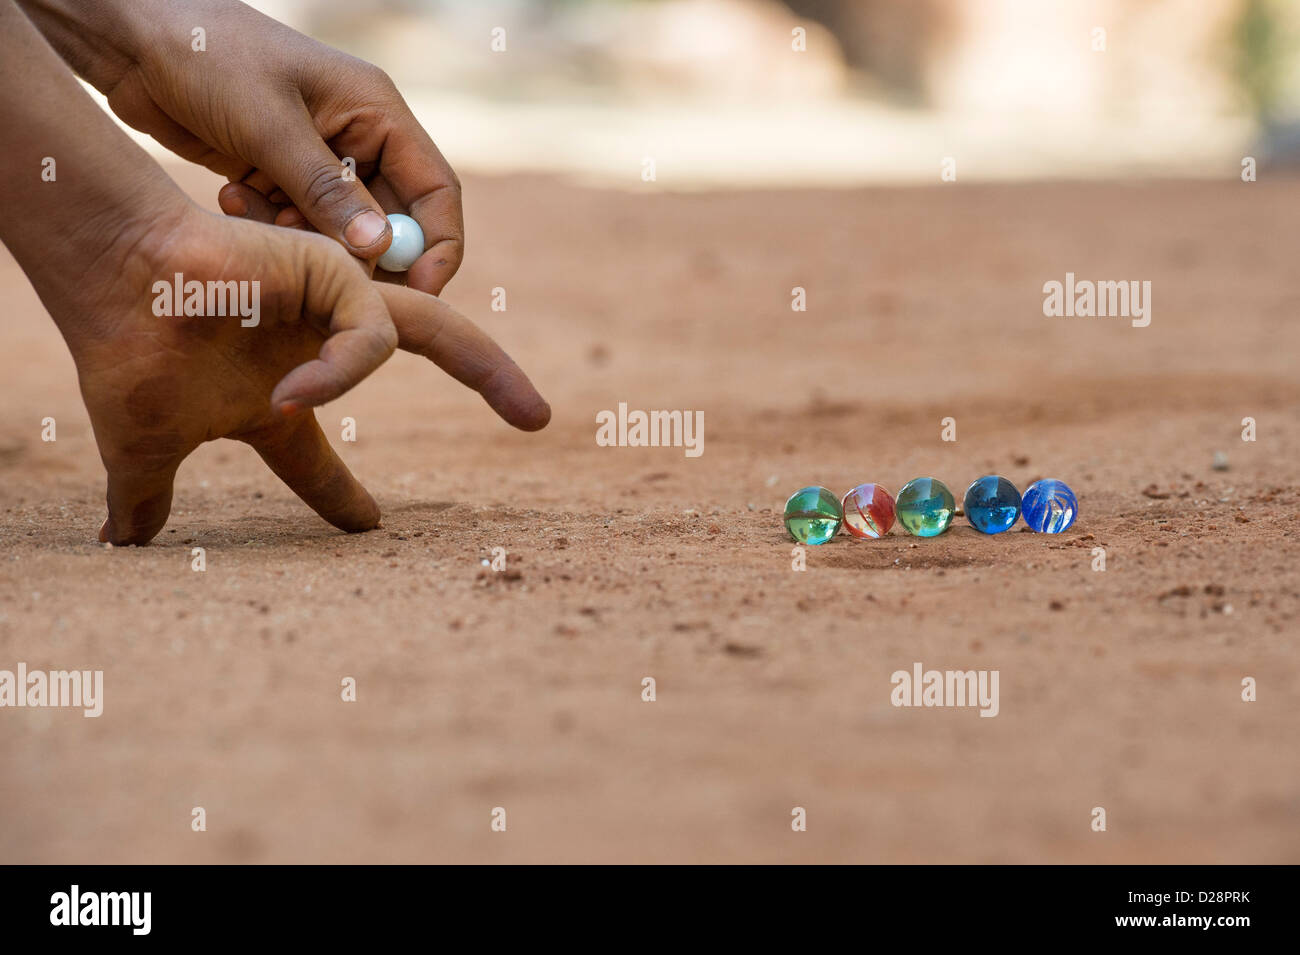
(992, 504)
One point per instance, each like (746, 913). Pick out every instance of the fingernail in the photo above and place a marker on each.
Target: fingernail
(289, 408)
(236, 206)
(365, 230)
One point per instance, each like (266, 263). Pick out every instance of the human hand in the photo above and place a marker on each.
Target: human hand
(266, 106)
(157, 387)
(157, 383)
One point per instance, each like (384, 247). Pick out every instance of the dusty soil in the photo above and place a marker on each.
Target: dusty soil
(522, 689)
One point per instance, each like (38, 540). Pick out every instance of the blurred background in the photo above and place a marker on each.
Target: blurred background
(717, 94)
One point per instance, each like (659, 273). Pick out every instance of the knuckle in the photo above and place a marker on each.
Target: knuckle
(386, 337)
(363, 73)
(326, 190)
(368, 82)
(379, 78)
(314, 249)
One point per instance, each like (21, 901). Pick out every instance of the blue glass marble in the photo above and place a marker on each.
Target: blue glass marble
(992, 504)
(1049, 506)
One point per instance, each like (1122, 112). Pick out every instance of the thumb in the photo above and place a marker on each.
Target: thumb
(330, 195)
(139, 502)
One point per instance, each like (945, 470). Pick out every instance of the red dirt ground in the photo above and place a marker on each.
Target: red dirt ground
(522, 690)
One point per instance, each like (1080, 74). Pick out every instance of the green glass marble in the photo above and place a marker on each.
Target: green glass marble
(925, 507)
(813, 515)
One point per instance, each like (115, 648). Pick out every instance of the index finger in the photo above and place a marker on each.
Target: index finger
(429, 327)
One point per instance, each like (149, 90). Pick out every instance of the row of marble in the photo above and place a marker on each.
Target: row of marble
(925, 508)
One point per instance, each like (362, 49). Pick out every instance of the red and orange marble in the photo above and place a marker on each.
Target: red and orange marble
(868, 511)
